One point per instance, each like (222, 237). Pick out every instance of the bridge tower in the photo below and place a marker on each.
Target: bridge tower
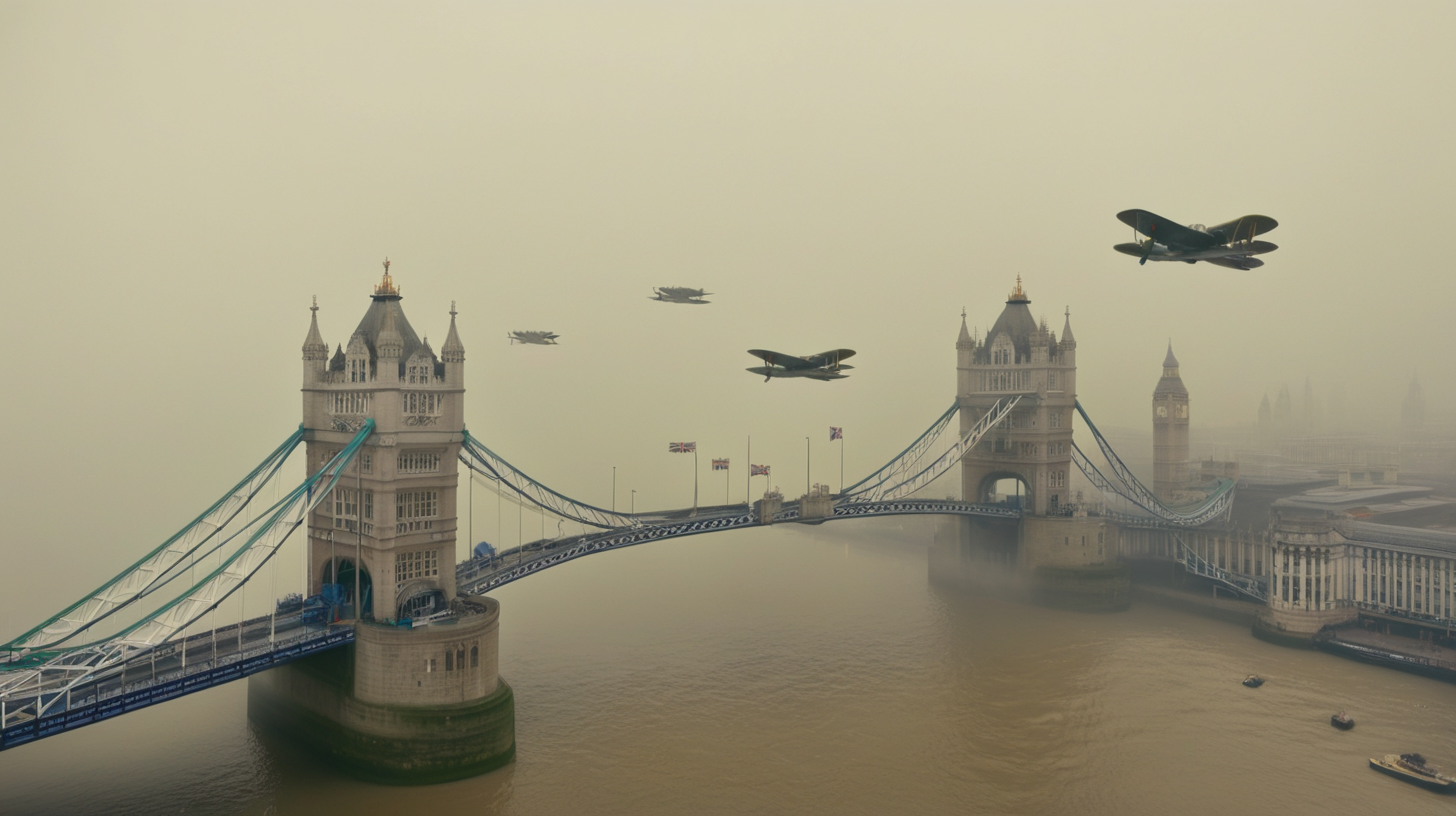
(1170, 432)
(417, 698)
(1019, 357)
(1069, 557)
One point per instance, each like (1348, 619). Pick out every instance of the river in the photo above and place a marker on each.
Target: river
(818, 670)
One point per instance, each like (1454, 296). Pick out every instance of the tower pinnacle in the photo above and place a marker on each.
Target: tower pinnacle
(386, 287)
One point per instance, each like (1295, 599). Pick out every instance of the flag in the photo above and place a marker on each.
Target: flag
(720, 464)
(835, 433)
(682, 447)
(757, 470)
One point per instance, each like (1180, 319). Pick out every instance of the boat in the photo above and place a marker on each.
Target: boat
(1342, 721)
(1412, 768)
(1253, 681)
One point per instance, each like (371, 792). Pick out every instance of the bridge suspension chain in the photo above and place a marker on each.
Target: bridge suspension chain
(894, 471)
(480, 459)
(1125, 484)
(943, 463)
(75, 665)
(157, 567)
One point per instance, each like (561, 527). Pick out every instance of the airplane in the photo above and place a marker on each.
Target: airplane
(679, 294)
(822, 366)
(538, 338)
(1230, 244)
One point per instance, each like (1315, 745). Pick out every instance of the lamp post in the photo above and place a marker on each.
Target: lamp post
(806, 466)
(614, 488)
(634, 501)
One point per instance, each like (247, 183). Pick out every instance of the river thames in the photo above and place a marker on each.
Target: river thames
(818, 670)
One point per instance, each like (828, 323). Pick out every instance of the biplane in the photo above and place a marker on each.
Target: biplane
(537, 338)
(825, 365)
(679, 294)
(1230, 244)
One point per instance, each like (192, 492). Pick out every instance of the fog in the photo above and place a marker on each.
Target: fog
(180, 179)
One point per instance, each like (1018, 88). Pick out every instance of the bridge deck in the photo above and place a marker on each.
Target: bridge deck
(157, 675)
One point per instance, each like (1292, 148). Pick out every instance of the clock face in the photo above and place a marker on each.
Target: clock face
(1162, 410)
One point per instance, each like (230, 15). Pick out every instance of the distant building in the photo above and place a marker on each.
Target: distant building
(1170, 431)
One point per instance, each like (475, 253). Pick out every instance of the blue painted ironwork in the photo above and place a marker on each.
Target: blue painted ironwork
(51, 675)
(1218, 503)
(93, 702)
(480, 459)
(158, 567)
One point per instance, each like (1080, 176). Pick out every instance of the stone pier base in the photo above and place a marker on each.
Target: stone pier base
(399, 706)
(1297, 627)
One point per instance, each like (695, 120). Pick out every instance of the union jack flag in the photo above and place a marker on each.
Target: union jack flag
(720, 464)
(757, 470)
(835, 433)
(682, 447)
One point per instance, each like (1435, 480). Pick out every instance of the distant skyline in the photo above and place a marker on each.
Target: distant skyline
(182, 179)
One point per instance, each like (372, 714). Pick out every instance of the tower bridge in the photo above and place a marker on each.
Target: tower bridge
(390, 666)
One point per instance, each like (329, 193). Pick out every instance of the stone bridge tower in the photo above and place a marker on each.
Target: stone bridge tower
(417, 697)
(1019, 357)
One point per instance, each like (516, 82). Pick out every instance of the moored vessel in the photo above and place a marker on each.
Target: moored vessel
(1412, 768)
(1342, 721)
(1253, 681)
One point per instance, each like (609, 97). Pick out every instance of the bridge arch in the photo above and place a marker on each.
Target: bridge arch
(345, 569)
(1005, 486)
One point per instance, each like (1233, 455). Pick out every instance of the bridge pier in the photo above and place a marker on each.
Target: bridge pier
(399, 706)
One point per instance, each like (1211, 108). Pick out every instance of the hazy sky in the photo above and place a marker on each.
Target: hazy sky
(180, 178)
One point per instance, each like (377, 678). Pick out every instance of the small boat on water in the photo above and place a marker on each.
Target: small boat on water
(1253, 681)
(1342, 721)
(1412, 768)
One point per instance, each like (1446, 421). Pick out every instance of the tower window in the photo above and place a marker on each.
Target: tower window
(418, 462)
(417, 564)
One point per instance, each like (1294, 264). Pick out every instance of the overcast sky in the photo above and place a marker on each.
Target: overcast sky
(180, 178)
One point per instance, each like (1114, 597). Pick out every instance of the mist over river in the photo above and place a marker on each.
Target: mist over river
(818, 670)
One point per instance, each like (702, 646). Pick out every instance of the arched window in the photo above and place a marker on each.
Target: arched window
(449, 661)
(474, 657)
(460, 658)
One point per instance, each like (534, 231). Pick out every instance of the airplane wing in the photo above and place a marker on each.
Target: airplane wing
(1246, 228)
(832, 357)
(1168, 233)
(782, 360)
(1236, 263)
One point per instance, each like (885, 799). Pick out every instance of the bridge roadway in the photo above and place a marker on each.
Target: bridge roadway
(233, 652)
(481, 575)
(166, 672)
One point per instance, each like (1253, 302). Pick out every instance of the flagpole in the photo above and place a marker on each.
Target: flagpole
(806, 466)
(748, 483)
(841, 461)
(695, 479)
(727, 479)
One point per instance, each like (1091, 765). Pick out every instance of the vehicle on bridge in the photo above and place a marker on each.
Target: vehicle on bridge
(1230, 244)
(535, 338)
(825, 365)
(679, 294)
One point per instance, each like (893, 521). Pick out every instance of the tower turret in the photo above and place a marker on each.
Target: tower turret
(453, 353)
(315, 350)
